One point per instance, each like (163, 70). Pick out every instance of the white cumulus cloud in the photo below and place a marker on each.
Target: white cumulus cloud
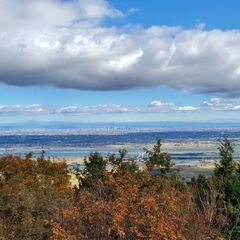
(168, 107)
(64, 44)
(20, 109)
(99, 109)
(159, 104)
(155, 107)
(220, 104)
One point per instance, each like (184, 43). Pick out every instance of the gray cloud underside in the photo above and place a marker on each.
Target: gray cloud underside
(64, 44)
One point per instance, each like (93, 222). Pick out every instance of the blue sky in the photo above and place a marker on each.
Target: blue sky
(86, 89)
(222, 14)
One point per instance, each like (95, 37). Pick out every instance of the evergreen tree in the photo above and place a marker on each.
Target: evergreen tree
(227, 166)
(157, 159)
(227, 180)
(95, 169)
(121, 165)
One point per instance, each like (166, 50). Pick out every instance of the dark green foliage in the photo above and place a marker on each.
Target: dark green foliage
(227, 165)
(120, 165)
(220, 194)
(95, 165)
(157, 159)
(117, 161)
(203, 191)
(95, 169)
(228, 183)
(29, 155)
(129, 166)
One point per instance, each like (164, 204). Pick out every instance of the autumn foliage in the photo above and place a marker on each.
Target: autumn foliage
(31, 194)
(37, 201)
(129, 208)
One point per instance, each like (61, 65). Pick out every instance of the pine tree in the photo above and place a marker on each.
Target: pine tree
(158, 159)
(227, 165)
(227, 180)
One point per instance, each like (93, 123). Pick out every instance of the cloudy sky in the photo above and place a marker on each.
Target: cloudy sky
(119, 60)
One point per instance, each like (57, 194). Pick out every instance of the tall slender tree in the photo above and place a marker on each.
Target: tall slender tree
(157, 159)
(226, 166)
